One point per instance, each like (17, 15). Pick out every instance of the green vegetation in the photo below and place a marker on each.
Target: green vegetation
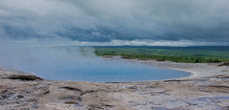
(175, 54)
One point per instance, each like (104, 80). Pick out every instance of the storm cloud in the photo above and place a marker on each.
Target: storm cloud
(109, 20)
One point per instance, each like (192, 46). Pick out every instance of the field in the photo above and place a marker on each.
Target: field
(206, 54)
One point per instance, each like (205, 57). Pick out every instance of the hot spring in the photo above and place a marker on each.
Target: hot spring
(79, 64)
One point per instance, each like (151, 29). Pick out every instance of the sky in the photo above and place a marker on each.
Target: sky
(29, 27)
(116, 22)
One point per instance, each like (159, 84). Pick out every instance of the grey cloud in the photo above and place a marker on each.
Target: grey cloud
(105, 20)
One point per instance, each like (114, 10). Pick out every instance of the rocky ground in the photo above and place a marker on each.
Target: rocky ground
(20, 91)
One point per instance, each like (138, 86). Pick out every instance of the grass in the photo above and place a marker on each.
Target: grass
(175, 54)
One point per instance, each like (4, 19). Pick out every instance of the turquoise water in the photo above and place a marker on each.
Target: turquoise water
(73, 63)
(112, 71)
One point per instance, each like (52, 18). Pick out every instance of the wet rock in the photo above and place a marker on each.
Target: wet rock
(222, 77)
(71, 88)
(224, 64)
(100, 107)
(225, 108)
(5, 94)
(23, 77)
(216, 88)
(71, 102)
(71, 99)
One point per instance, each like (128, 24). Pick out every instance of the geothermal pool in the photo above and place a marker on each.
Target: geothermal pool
(77, 64)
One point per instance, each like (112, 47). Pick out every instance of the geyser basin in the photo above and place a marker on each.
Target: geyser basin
(111, 71)
(77, 64)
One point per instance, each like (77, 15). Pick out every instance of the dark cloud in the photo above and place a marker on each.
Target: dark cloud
(103, 20)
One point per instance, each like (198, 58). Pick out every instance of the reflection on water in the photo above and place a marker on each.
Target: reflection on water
(79, 64)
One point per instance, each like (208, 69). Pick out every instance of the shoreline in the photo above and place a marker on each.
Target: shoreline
(204, 90)
(196, 70)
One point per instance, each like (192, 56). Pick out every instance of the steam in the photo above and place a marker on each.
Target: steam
(32, 30)
(39, 35)
(44, 60)
(61, 62)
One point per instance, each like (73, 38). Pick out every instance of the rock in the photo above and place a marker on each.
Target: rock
(71, 88)
(23, 77)
(216, 88)
(224, 64)
(29, 92)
